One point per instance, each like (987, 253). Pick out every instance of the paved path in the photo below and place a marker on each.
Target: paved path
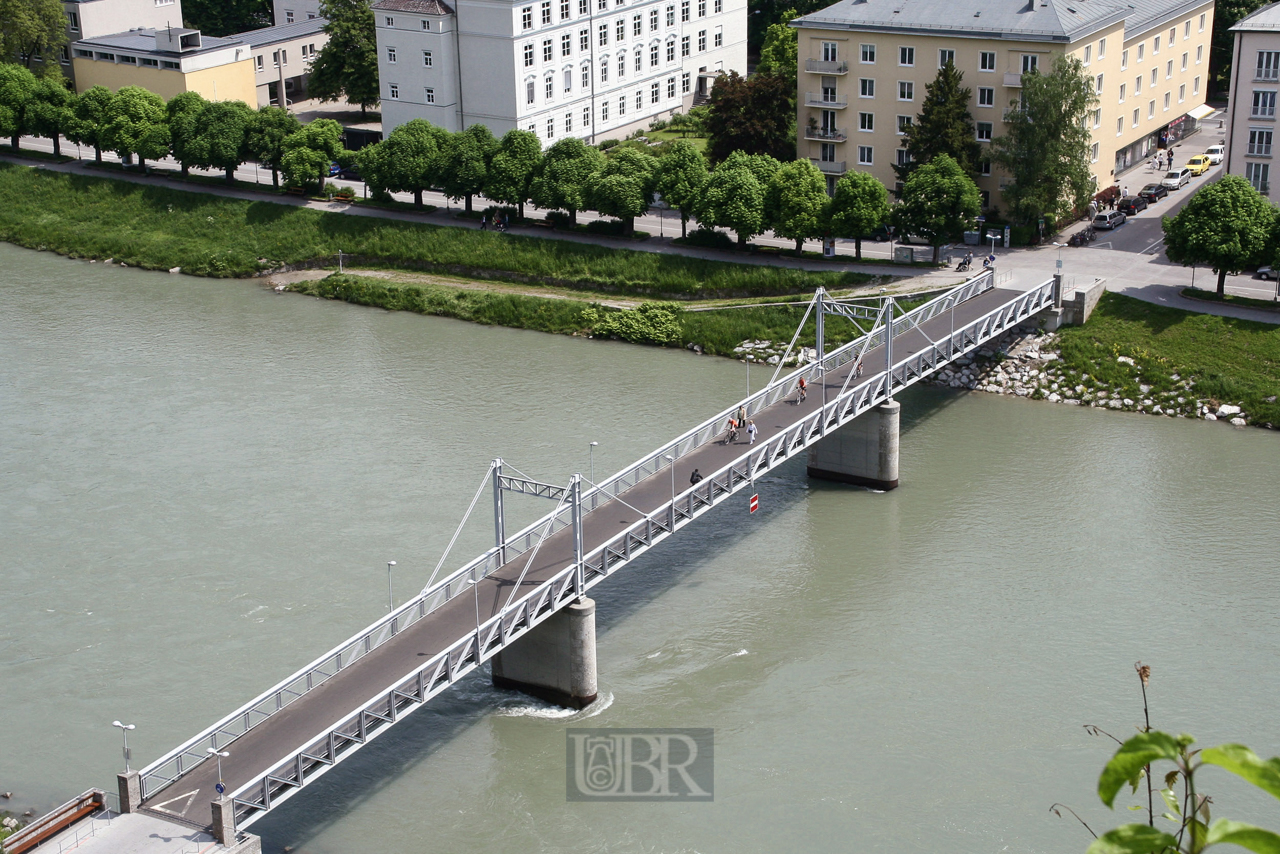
(307, 718)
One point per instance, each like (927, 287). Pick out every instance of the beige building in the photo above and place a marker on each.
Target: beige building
(282, 57)
(167, 62)
(1255, 80)
(864, 66)
(87, 19)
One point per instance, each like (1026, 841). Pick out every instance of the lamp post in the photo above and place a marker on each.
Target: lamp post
(220, 754)
(591, 449)
(672, 461)
(124, 731)
(475, 586)
(391, 602)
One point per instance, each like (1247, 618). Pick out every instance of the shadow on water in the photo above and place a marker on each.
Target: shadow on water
(362, 777)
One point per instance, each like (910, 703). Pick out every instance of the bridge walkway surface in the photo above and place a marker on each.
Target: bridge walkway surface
(280, 744)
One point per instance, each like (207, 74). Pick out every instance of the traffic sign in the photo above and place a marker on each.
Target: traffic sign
(220, 788)
(755, 502)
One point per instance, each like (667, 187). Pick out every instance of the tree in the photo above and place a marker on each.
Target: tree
(17, 91)
(465, 163)
(92, 114)
(407, 161)
(1046, 148)
(309, 151)
(512, 170)
(30, 30)
(137, 124)
(184, 111)
(347, 66)
(227, 17)
(754, 115)
(796, 202)
(943, 126)
(564, 177)
(223, 141)
(624, 185)
(860, 205)
(1226, 226)
(733, 198)
(781, 51)
(682, 170)
(270, 127)
(51, 111)
(939, 201)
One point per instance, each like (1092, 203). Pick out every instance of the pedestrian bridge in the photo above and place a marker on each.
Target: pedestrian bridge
(296, 731)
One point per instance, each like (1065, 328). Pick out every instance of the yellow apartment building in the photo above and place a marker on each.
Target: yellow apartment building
(864, 66)
(167, 61)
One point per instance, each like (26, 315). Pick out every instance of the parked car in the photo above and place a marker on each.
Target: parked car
(1199, 164)
(334, 170)
(350, 173)
(1215, 153)
(1176, 179)
(1131, 206)
(1266, 273)
(1153, 193)
(1110, 219)
(879, 235)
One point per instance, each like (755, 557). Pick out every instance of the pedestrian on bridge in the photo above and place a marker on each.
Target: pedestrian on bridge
(742, 414)
(751, 432)
(695, 477)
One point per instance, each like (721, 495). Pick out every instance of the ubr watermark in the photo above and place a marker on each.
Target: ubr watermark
(640, 764)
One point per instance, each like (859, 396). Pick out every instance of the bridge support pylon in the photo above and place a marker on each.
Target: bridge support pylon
(556, 660)
(862, 452)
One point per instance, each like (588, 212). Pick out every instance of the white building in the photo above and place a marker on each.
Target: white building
(294, 11)
(1255, 81)
(89, 19)
(593, 69)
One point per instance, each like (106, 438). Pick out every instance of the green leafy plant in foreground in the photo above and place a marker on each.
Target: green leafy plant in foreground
(1186, 808)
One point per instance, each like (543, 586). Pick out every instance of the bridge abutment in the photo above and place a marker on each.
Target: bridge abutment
(862, 452)
(556, 660)
(129, 785)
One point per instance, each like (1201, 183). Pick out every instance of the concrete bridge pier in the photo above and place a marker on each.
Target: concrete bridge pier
(556, 660)
(862, 452)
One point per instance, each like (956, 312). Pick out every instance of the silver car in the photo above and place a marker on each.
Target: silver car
(1110, 219)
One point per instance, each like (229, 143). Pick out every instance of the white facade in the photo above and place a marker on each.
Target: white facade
(1255, 86)
(88, 19)
(294, 11)
(585, 68)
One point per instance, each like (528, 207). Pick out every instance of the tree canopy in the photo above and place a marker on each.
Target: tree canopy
(89, 125)
(781, 51)
(1227, 226)
(1047, 144)
(624, 185)
(227, 17)
(407, 161)
(51, 111)
(184, 111)
(682, 170)
(309, 151)
(796, 201)
(944, 125)
(733, 198)
(754, 115)
(347, 66)
(17, 91)
(564, 179)
(270, 128)
(512, 170)
(137, 124)
(860, 205)
(939, 201)
(465, 162)
(31, 29)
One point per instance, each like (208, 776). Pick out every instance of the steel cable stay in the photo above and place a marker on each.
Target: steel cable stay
(458, 530)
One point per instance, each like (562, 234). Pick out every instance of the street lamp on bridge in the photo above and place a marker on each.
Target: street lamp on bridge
(220, 754)
(124, 731)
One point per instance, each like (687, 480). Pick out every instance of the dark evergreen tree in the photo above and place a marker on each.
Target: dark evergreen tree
(943, 126)
(226, 17)
(347, 66)
(754, 115)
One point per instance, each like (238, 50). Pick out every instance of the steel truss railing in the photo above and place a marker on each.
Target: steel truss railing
(310, 761)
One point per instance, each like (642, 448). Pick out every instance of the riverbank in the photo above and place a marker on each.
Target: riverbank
(158, 227)
(1137, 357)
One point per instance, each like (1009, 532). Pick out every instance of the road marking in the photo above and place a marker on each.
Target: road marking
(1106, 245)
(1152, 246)
(189, 797)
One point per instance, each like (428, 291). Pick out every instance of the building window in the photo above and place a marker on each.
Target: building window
(1195, 86)
(1098, 83)
(719, 6)
(1088, 54)
(430, 95)
(602, 5)
(622, 65)
(1142, 48)
(684, 45)
(719, 39)
(1122, 89)
(288, 16)
(866, 88)
(1168, 96)
(984, 168)
(1168, 71)
(564, 10)
(1199, 54)
(391, 22)
(1202, 23)
(1030, 62)
(528, 92)
(1135, 118)
(671, 16)
(904, 122)
(1124, 59)
(1102, 48)
(1151, 110)
(546, 18)
(1155, 46)
(906, 56)
(653, 55)
(528, 55)
(984, 131)
(584, 8)
(654, 95)
(391, 54)
(864, 155)
(866, 121)
(829, 52)
(551, 128)
(568, 80)
(1093, 153)
(1268, 65)
(640, 99)
(1097, 118)
(1259, 142)
(622, 105)
(684, 10)
(73, 22)
(638, 61)
(127, 60)
(945, 57)
(603, 36)
(904, 157)
(258, 61)
(671, 87)
(653, 20)
(906, 90)
(586, 77)
(393, 91)
(568, 122)
(1173, 35)
(566, 45)
(1137, 85)
(1119, 125)
(1153, 76)
(1182, 93)
(867, 54)
(1259, 176)
(986, 97)
(546, 50)
(526, 18)
(702, 40)
(686, 82)
(671, 50)
(987, 60)
(827, 153)
(548, 88)
(584, 40)
(702, 8)
(604, 69)
(1186, 29)
(586, 117)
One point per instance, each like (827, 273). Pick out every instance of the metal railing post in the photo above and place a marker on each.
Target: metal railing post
(888, 347)
(820, 297)
(499, 517)
(579, 575)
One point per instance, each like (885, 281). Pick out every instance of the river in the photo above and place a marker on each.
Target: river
(203, 481)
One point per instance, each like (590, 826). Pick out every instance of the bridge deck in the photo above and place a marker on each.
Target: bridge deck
(265, 746)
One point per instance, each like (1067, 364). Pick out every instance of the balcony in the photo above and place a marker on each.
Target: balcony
(818, 66)
(812, 100)
(829, 167)
(1009, 112)
(825, 134)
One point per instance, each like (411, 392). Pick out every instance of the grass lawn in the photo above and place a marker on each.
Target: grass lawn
(159, 227)
(1226, 360)
(699, 142)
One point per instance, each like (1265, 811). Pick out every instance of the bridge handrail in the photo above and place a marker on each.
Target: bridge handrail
(173, 764)
(867, 393)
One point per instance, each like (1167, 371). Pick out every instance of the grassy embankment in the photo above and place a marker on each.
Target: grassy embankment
(1176, 353)
(1231, 299)
(158, 227)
